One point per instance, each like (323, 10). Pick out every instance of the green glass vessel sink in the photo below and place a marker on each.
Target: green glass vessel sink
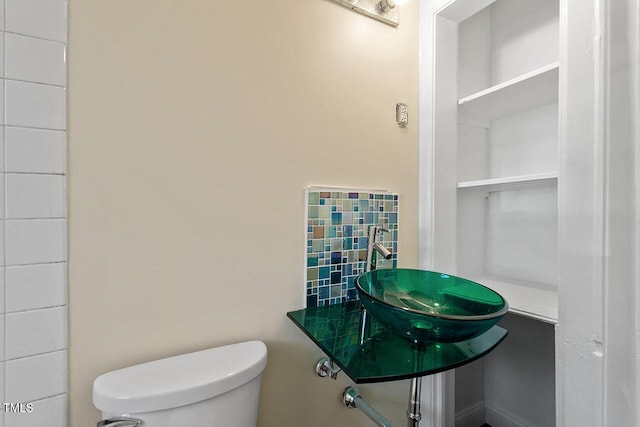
(426, 306)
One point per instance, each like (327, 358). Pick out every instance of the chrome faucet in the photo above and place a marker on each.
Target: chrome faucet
(375, 247)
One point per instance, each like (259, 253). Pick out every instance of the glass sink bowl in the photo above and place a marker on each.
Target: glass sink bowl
(426, 306)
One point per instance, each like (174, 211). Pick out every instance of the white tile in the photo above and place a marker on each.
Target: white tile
(51, 412)
(1, 24)
(2, 294)
(35, 150)
(35, 105)
(35, 332)
(40, 18)
(2, 243)
(2, 104)
(2, 149)
(35, 196)
(2, 341)
(35, 241)
(2, 50)
(34, 60)
(2, 195)
(2, 399)
(34, 378)
(29, 287)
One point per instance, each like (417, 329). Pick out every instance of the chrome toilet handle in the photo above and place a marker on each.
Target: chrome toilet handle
(119, 422)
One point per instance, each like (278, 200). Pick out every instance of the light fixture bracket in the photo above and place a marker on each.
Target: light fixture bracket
(373, 9)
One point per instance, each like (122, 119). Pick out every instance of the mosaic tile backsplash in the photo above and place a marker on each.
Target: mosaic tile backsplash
(338, 224)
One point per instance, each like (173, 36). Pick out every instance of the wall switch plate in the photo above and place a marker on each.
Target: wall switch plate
(402, 114)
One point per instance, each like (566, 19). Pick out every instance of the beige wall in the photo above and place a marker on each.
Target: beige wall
(193, 129)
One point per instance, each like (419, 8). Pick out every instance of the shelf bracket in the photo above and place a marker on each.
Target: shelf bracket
(326, 368)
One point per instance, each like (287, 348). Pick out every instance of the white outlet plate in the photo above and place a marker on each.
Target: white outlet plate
(402, 114)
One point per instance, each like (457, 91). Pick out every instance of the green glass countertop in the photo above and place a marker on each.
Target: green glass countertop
(384, 355)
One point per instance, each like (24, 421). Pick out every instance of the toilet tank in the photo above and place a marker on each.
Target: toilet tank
(215, 387)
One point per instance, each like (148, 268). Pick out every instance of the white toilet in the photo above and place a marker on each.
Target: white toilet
(219, 387)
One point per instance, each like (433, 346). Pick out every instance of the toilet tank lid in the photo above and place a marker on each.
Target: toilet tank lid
(180, 380)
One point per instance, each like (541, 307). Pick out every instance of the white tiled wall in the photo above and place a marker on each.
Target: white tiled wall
(33, 280)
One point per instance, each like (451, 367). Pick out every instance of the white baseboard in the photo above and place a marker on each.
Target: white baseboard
(497, 416)
(471, 416)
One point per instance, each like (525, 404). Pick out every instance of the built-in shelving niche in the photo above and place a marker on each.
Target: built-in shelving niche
(507, 160)
(523, 93)
(503, 55)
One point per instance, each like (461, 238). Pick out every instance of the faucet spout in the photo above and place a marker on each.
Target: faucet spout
(375, 247)
(386, 253)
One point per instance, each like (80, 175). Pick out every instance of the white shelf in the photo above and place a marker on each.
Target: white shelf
(526, 92)
(511, 181)
(528, 300)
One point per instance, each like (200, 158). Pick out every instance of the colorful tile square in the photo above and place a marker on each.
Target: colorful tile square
(337, 236)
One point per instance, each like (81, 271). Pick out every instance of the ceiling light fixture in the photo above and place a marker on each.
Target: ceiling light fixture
(382, 10)
(386, 5)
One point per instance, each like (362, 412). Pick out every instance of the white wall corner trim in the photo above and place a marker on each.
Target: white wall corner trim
(472, 416)
(597, 248)
(438, 391)
(497, 416)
